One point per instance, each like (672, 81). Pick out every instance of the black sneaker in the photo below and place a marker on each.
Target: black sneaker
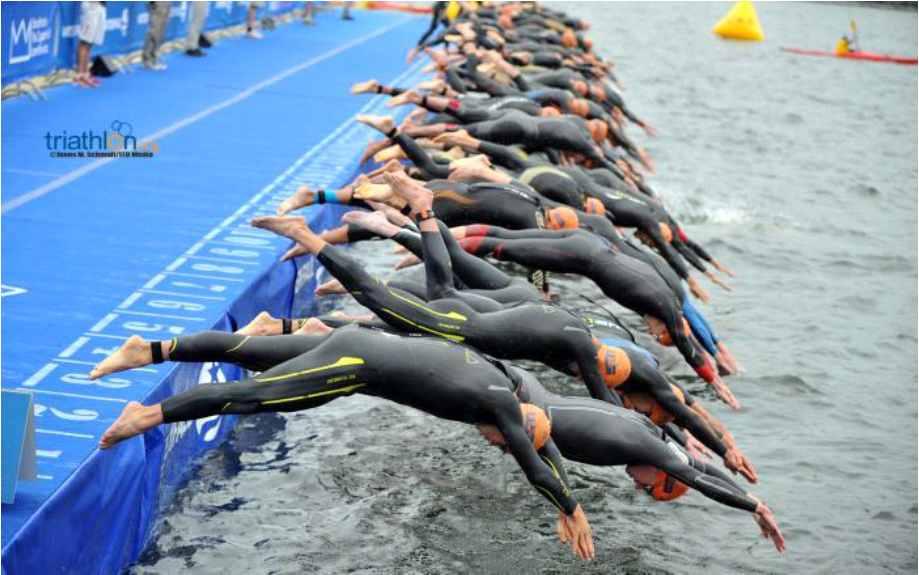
(197, 52)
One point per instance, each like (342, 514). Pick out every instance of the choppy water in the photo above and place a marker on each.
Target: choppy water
(798, 172)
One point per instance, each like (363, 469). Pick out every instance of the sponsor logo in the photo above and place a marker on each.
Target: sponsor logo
(32, 37)
(206, 428)
(115, 140)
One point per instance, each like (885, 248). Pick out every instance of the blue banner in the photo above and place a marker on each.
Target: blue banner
(40, 37)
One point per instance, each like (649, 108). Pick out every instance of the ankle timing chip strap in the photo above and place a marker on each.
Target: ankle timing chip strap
(156, 350)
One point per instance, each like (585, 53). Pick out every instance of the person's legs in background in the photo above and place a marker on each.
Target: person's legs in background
(159, 15)
(346, 11)
(251, 30)
(195, 25)
(92, 31)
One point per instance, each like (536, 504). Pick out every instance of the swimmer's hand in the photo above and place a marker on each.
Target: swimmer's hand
(768, 526)
(648, 128)
(575, 530)
(646, 160)
(696, 448)
(697, 290)
(721, 267)
(737, 462)
(726, 394)
(717, 281)
(411, 55)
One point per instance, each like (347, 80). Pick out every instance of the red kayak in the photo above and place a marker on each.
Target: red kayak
(871, 56)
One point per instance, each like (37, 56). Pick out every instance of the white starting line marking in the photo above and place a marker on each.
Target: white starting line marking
(65, 433)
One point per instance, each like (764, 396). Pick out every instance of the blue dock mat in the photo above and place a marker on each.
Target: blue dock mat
(97, 250)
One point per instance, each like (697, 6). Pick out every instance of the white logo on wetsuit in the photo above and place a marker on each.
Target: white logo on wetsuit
(679, 452)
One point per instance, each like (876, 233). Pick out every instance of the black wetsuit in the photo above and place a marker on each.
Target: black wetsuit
(474, 274)
(446, 380)
(630, 282)
(566, 133)
(543, 333)
(597, 433)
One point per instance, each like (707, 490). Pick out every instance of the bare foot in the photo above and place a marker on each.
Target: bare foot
(375, 222)
(415, 117)
(313, 326)
(389, 154)
(331, 287)
(459, 138)
(432, 85)
(128, 424)
(365, 87)
(372, 149)
(407, 97)
(287, 226)
(390, 166)
(135, 352)
(295, 252)
(302, 197)
(392, 214)
(417, 196)
(263, 324)
(377, 193)
(384, 124)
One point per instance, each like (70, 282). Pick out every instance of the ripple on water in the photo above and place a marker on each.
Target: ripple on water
(787, 384)
(865, 190)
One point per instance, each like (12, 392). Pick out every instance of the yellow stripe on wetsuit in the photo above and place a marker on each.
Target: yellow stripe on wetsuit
(452, 315)
(557, 475)
(531, 174)
(344, 361)
(346, 389)
(450, 336)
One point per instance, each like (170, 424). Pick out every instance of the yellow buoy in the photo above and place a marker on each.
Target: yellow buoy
(842, 47)
(740, 23)
(453, 10)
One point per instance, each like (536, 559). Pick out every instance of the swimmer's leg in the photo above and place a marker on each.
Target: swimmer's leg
(255, 353)
(300, 383)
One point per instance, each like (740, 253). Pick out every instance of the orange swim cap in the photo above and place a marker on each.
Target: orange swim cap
(549, 112)
(536, 424)
(579, 107)
(598, 130)
(614, 365)
(667, 488)
(594, 206)
(666, 232)
(569, 40)
(562, 219)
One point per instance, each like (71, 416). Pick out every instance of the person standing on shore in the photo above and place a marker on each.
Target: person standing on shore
(196, 20)
(159, 15)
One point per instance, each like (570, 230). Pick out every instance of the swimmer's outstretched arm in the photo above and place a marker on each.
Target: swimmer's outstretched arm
(715, 485)
(573, 526)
